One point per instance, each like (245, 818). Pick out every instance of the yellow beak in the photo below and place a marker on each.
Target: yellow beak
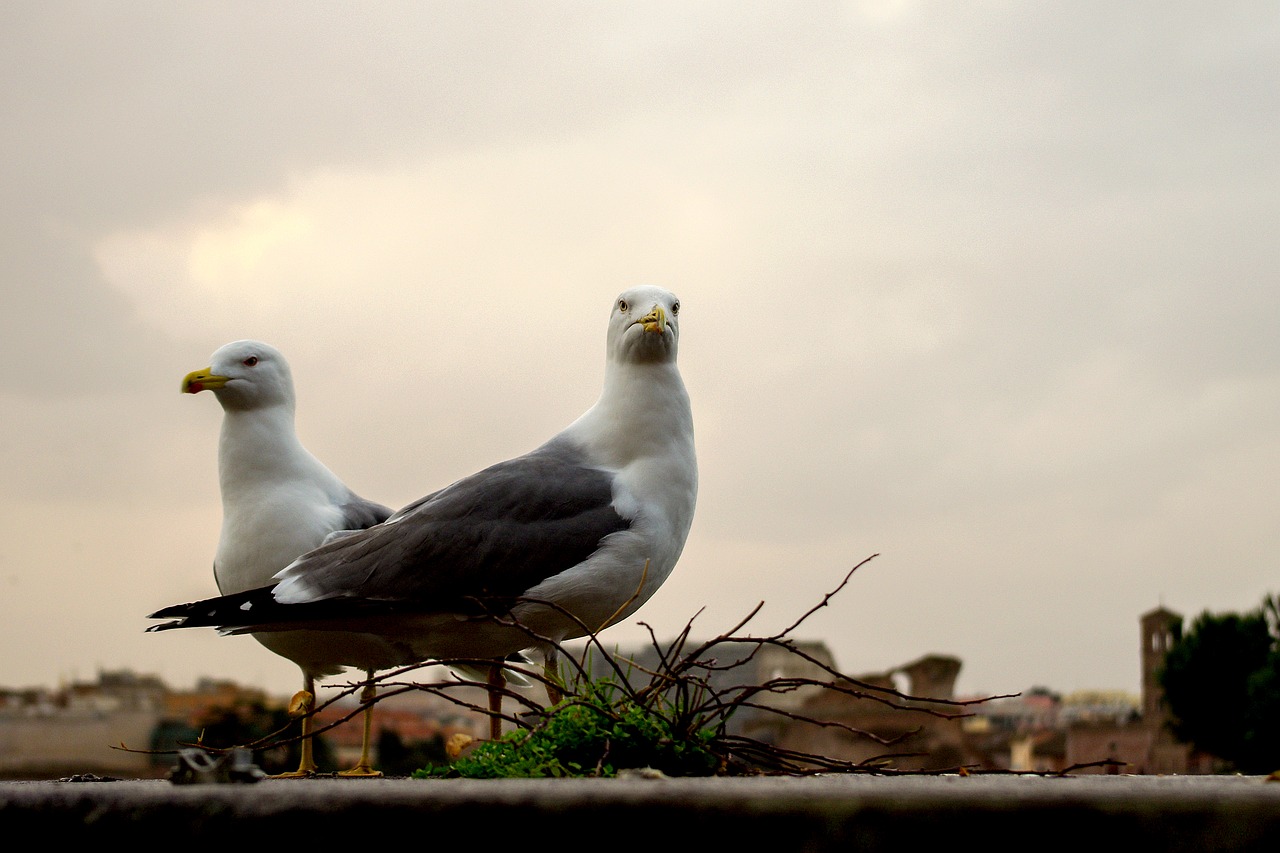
(203, 380)
(655, 320)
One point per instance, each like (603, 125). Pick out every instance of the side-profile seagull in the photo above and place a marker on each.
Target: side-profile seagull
(278, 502)
(562, 541)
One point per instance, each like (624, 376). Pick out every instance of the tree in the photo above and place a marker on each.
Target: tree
(1221, 683)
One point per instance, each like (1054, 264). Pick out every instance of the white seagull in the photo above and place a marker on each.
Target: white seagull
(278, 502)
(563, 541)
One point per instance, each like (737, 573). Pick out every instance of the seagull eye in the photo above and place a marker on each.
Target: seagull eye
(675, 308)
(623, 306)
(250, 361)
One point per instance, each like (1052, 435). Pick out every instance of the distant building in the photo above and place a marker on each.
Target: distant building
(1100, 706)
(106, 727)
(907, 717)
(919, 728)
(189, 706)
(1039, 731)
(1144, 743)
(86, 727)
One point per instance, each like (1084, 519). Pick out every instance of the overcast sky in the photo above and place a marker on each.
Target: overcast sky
(987, 289)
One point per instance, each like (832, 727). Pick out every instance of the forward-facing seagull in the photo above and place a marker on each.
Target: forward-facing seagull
(278, 502)
(562, 541)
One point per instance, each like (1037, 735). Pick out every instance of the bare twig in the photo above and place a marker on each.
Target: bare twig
(682, 683)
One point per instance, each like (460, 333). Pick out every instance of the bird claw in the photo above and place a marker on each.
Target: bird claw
(362, 771)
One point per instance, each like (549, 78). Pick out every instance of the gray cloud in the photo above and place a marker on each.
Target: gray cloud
(988, 289)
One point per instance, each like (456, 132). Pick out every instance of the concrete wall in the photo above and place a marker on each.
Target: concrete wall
(49, 746)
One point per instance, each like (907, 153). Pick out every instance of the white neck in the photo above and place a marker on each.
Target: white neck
(259, 445)
(641, 411)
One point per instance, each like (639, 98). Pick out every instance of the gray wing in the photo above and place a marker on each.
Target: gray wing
(495, 533)
(358, 513)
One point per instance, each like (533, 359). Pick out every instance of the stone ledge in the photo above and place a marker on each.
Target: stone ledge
(836, 812)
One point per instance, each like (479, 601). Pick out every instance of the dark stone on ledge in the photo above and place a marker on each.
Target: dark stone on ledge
(824, 813)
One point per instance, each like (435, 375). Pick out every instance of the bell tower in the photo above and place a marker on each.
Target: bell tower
(1160, 628)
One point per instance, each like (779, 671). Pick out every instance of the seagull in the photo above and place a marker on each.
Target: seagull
(278, 502)
(560, 542)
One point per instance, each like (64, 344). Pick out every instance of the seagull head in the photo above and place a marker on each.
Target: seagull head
(644, 325)
(244, 375)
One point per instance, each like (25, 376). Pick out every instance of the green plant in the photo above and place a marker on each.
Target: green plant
(598, 732)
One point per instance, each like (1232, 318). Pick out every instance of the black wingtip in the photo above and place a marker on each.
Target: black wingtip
(170, 611)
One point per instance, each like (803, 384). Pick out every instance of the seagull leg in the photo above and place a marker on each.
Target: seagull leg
(496, 682)
(551, 670)
(301, 705)
(364, 768)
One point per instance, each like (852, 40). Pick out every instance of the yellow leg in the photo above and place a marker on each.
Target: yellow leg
(496, 682)
(364, 767)
(301, 705)
(551, 671)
